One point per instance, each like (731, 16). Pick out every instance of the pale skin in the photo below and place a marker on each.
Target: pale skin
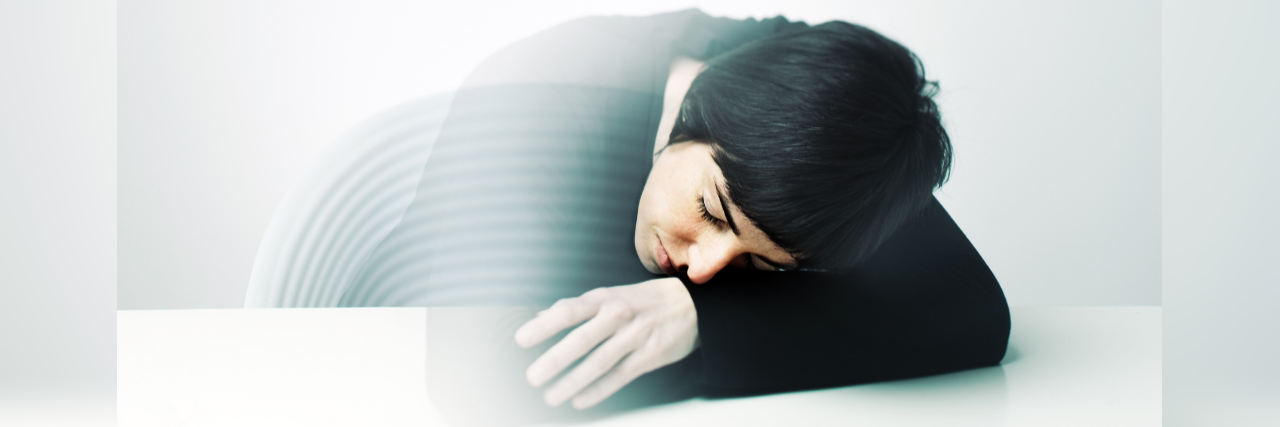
(686, 222)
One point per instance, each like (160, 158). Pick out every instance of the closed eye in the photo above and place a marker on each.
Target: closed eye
(706, 215)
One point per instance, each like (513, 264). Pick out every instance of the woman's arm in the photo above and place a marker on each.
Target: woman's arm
(926, 303)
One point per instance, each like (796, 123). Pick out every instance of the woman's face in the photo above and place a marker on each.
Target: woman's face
(687, 222)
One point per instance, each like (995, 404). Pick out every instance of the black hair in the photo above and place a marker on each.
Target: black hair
(828, 138)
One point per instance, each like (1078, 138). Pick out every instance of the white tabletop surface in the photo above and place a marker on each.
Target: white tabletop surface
(1068, 366)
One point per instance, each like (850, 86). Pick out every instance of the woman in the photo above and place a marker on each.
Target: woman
(828, 139)
(786, 203)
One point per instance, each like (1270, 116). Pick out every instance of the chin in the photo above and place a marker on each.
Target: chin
(648, 265)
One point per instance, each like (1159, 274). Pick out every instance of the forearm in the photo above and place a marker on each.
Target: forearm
(925, 304)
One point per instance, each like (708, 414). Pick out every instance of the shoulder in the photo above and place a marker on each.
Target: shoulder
(624, 52)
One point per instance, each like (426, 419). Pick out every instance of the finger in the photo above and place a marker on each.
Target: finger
(574, 346)
(626, 371)
(563, 314)
(599, 362)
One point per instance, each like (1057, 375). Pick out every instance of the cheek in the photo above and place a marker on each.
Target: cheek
(668, 200)
(655, 197)
(680, 219)
(646, 213)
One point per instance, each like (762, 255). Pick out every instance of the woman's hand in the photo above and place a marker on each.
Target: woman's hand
(644, 327)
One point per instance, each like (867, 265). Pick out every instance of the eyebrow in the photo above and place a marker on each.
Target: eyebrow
(724, 206)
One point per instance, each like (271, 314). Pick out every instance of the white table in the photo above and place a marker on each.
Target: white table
(1076, 366)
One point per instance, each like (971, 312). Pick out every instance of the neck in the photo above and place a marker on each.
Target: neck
(683, 71)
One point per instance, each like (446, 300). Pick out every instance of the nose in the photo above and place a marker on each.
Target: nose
(707, 258)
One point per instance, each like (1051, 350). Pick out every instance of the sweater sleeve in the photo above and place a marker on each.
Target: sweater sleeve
(704, 37)
(924, 304)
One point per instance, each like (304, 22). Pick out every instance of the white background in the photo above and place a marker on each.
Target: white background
(57, 212)
(1054, 110)
(58, 148)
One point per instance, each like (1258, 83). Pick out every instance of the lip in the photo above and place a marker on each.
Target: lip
(664, 260)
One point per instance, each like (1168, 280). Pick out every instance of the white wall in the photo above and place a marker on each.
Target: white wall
(57, 212)
(1221, 260)
(1054, 110)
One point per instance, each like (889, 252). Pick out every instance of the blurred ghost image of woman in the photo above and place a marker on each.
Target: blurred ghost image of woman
(679, 205)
